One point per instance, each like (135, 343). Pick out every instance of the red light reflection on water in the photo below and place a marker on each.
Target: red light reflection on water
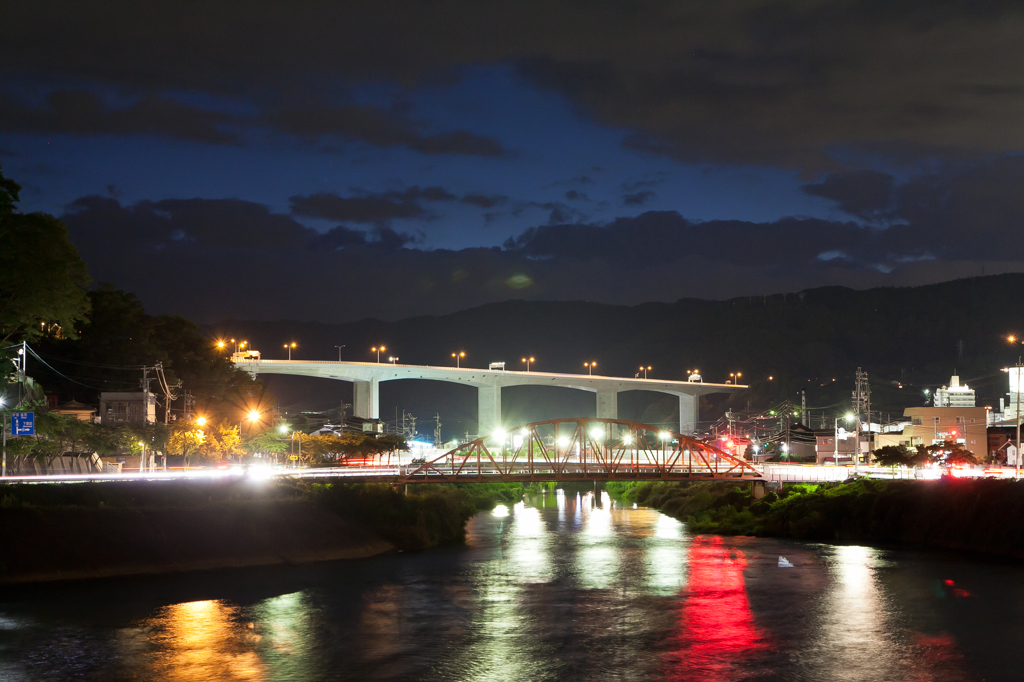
(716, 627)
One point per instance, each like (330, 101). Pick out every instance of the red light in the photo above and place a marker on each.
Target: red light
(953, 432)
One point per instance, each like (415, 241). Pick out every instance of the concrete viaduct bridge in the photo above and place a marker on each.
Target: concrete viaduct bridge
(367, 376)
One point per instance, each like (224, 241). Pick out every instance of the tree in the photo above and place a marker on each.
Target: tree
(893, 456)
(43, 280)
(185, 440)
(266, 442)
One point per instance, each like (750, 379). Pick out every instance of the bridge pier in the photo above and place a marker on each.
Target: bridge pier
(488, 401)
(607, 404)
(689, 413)
(366, 399)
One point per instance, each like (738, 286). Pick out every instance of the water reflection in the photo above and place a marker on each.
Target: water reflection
(716, 627)
(666, 561)
(201, 640)
(567, 586)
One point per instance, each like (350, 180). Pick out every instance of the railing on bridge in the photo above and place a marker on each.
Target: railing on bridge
(584, 449)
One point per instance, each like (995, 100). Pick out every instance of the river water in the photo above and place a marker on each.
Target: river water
(563, 587)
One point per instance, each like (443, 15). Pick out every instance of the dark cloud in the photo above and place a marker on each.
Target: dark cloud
(381, 128)
(965, 210)
(484, 201)
(865, 194)
(657, 237)
(221, 259)
(637, 199)
(573, 195)
(798, 85)
(377, 209)
(83, 113)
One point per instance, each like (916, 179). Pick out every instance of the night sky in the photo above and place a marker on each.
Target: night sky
(334, 161)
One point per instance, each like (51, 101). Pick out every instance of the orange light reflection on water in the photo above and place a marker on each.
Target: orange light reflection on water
(201, 640)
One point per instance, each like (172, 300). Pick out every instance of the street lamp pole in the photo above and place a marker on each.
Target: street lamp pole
(458, 358)
(377, 350)
(528, 361)
(1017, 472)
(644, 370)
(339, 351)
(590, 367)
(289, 347)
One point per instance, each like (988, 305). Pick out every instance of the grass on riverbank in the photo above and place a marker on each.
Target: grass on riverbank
(976, 515)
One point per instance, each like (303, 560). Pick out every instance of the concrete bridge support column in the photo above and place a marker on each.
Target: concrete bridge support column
(488, 410)
(689, 414)
(366, 396)
(607, 405)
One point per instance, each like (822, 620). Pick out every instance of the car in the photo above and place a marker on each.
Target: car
(418, 460)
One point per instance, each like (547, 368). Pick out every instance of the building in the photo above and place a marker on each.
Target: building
(127, 408)
(935, 425)
(833, 445)
(80, 411)
(954, 395)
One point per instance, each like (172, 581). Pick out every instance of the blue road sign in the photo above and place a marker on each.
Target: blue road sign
(23, 423)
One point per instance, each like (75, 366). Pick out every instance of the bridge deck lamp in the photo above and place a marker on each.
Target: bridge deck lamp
(590, 367)
(289, 346)
(528, 361)
(645, 370)
(393, 359)
(377, 350)
(458, 358)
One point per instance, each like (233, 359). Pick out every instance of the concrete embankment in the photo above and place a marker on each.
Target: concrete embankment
(76, 542)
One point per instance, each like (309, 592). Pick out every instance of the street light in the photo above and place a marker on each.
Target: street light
(393, 359)
(645, 370)
(289, 346)
(458, 358)
(377, 350)
(735, 376)
(201, 421)
(590, 367)
(1013, 339)
(339, 351)
(528, 361)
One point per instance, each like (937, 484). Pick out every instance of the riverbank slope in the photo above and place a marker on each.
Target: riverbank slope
(92, 530)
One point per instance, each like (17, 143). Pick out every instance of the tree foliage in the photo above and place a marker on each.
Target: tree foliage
(120, 337)
(43, 280)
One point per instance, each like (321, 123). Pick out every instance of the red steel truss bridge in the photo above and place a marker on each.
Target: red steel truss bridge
(583, 450)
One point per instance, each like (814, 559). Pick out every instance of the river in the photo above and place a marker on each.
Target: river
(562, 587)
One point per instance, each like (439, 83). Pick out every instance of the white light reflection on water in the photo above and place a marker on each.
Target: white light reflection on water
(666, 560)
(853, 632)
(598, 553)
(284, 625)
(528, 551)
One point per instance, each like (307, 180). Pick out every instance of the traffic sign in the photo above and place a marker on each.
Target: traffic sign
(293, 457)
(23, 423)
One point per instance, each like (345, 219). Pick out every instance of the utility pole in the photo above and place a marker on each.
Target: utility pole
(803, 408)
(437, 429)
(860, 401)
